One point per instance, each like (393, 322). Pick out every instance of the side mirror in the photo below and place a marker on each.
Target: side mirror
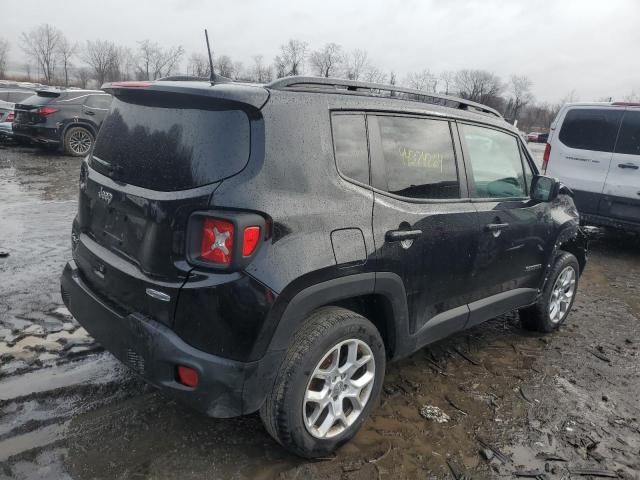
(544, 189)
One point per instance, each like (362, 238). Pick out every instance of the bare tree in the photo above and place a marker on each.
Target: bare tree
(570, 97)
(374, 75)
(423, 80)
(83, 75)
(392, 78)
(447, 80)
(198, 65)
(291, 58)
(327, 60)
(478, 85)
(66, 50)
(224, 66)
(260, 73)
(101, 57)
(155, 62)
(4, 55)
(127, 63)
(357, 62)
(520, 90)
(41, 44)
(632, 97)
(239, 72)
(280, 65)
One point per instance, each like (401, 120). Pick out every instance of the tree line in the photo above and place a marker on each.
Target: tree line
(59, 61)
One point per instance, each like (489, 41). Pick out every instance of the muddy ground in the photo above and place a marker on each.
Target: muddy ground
(559, 406)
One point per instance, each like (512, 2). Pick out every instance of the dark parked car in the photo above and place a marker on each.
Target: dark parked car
(8, 99)
(543, 137)
(69, 119)
(271, 248)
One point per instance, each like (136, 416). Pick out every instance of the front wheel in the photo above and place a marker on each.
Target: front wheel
(556, 300)
(78, 141)
(330, 380)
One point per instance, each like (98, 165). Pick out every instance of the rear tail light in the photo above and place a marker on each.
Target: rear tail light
(11, 117)
(46, 111)
(187, 376)
(250, 240)
(545, 158)
(217, 241)
(228, 240)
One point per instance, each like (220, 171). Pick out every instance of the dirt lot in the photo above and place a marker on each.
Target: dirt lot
(558, 406)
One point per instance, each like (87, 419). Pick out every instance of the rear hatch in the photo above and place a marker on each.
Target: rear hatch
(158, 158)
(26, 112)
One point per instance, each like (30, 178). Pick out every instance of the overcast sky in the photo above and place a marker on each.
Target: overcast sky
(592, 46)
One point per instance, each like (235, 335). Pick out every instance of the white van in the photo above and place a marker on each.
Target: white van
(594, 148)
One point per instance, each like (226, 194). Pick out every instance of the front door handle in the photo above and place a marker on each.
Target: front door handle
(632, 166)
(495, 227)
(400, 235)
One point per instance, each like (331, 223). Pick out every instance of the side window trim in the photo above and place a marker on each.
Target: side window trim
(469, 172)
(377, 165)
(528, 162)
(332, 115)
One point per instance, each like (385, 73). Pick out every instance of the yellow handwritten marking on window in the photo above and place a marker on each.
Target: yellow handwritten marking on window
(422, 159)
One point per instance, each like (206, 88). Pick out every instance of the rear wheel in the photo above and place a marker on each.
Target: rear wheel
(78, 141)
(554, 305)
(328, 384)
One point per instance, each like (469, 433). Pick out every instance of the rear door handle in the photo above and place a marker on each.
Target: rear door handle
(400, 235)
(495, 227)
(632, 166)
(89, 112)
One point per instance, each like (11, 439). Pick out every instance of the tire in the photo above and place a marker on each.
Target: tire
(312, 354)
(541, 317)
(78, 141)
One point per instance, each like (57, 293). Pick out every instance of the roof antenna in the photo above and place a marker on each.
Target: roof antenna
(212, 77)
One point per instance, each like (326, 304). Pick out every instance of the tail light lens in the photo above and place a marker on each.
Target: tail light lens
(217, 241)
(250, 239)
(11, 117)
(545, 158)
(224, 240)
(46, 111)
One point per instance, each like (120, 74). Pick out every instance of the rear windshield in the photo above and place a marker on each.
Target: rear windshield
(51, 98)
(37, 100)
(175, 145)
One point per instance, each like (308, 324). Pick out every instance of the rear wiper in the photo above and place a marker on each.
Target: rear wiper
(112, 170)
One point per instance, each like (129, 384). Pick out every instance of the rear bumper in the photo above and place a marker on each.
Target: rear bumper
(42, 135)
(227, 388)
(5, 130)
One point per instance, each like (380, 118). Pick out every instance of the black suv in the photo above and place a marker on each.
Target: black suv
(67, 118)
(271, 248)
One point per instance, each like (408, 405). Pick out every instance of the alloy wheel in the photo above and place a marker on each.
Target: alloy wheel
(562, 294)
(339, 389)
(80, 142)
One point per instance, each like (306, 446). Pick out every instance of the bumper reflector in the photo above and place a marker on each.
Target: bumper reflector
(187, 376)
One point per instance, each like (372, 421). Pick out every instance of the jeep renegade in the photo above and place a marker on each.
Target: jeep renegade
(272, 247)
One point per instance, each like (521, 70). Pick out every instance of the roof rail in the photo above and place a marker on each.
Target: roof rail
(337, 85)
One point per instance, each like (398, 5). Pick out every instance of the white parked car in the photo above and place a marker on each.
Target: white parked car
(594, 148)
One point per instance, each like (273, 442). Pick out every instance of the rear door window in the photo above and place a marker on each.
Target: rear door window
(171, 144)
(350, 144)
(98, 101)
(496, 165)
(590, 129)
(629, 137)
(419, 157)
